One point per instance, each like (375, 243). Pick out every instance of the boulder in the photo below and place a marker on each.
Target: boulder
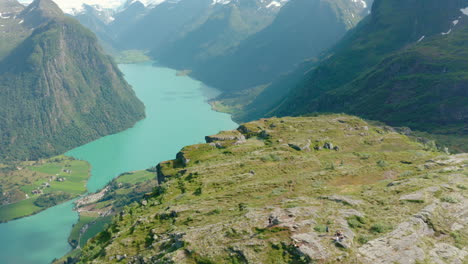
(294, 146)
(309, 245)
(182, 157)
(226, 136)
(328, 145)
(400, 246)
(417, 197)
(443, 253)
(300, 146)
(342, 199)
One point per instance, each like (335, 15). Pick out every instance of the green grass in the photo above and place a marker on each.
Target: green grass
(95, 225)
(136, 177)
(75, 233)
(33, 175)
(18, 210)
(132, 56)
(217, 189)
(94, 229)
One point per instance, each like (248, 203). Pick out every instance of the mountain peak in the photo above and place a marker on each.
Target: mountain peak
(41, 11)
(48, 6)
(10, 7)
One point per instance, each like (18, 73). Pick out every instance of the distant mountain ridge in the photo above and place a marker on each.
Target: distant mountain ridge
(169, 24)
(58, 90)
(223, 42)
(302, 30)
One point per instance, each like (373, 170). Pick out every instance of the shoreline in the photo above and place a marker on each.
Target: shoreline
(59, 185)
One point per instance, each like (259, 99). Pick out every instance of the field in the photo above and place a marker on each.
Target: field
(135, 177)
(30, 187)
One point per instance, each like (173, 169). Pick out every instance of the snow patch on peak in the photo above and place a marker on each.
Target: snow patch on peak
(75, 7)
(363, 3)
(3, 17)
(266, 3)
(446, 33)
(222, 2)
(465, 11)
(273, 3)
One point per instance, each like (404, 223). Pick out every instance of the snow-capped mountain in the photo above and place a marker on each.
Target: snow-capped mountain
(74, 7)
(266, 3)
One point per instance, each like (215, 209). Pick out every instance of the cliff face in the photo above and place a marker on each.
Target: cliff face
(277, 190)
(58, 90)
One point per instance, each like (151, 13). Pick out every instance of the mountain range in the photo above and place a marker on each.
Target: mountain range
(223, 42)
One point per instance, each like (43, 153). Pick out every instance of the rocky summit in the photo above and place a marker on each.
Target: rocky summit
(324, 189)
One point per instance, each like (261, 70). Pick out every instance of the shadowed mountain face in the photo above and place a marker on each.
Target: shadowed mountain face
(221, 28)
(405, 64)
(232, 45)
(302, 30)
(57, 88)
(185, 32)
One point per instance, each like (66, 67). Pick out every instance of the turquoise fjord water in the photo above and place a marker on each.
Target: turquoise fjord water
(177, 115)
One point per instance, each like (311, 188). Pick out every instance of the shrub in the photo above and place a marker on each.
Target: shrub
(242, 206)
(362, 239)
(320, 228)
(198, 191)
(379, 228)
(382, 163)
(51, 199)
(215, 211)
(448, 199)
(356, 221)
(363, 156)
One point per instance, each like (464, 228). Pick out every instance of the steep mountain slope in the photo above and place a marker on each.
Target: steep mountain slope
(97, 21)
(185, 31)
(58, 90)
(222, 27)
(12, 32)
(161, 25)
(131, 13)
(405, 64)
(302, 30)
(277, 190)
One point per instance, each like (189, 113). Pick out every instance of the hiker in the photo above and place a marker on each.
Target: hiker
(326, 229)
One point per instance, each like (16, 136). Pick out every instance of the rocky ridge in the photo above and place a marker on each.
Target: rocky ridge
(261, 201)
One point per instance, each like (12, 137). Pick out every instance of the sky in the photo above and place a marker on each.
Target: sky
(68, 5)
